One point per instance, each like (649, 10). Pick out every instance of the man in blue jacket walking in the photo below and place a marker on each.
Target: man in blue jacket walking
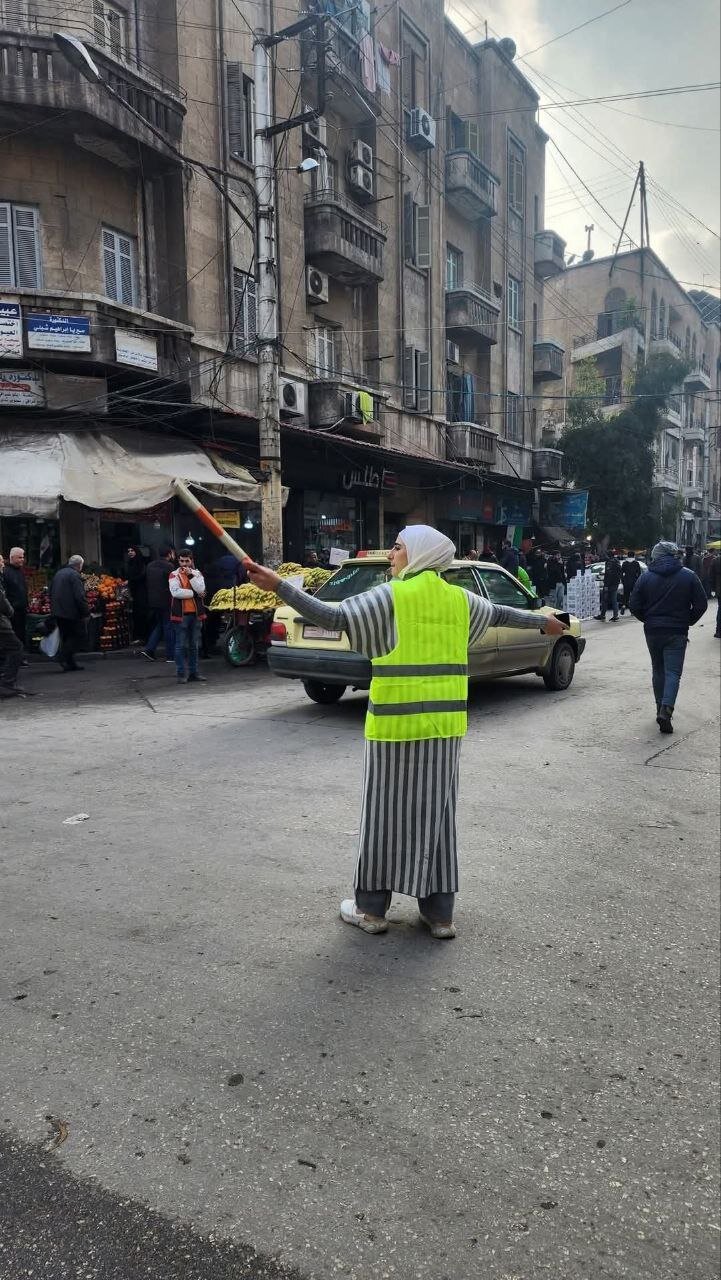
(667, 600)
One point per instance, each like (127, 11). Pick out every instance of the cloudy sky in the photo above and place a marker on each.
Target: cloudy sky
(645, 44)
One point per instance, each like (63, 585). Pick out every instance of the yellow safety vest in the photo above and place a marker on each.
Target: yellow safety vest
(420, 689)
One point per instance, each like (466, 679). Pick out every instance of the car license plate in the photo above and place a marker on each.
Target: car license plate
(318, 633)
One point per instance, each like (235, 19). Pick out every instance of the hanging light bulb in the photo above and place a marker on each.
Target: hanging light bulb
(190, 540)
(247, 523)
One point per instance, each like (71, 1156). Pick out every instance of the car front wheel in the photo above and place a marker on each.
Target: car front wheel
(325, 694)
(563, 665)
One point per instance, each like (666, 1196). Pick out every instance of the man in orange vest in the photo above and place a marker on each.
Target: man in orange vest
(187, 613)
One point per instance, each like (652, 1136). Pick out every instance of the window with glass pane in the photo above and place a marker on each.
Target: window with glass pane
(516, 178)
(465, 578)
(514, 303)
(244, 320)
(513, 417)
(327, 351)
(501, 589)
(454, 267)
(120, 266)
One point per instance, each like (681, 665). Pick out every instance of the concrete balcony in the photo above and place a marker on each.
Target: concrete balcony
(693, 494)
(335, 400)
(614, 329)
(547, 361)
(344, 84)
(665, 342)
(699, 377)
(470, 442)
(36, 80)
(549, 255)
(471, 188)
(342, 239)
(472, 314)
(695, 431)
(547, 464)
(673, 413)
(111, 340)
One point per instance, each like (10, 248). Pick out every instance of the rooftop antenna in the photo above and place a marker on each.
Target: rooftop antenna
(639, 185)
(588, 231)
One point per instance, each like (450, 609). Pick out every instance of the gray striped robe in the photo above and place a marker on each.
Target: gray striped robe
(408, 817)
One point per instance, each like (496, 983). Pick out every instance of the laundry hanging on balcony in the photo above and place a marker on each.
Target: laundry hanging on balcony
(368, 63)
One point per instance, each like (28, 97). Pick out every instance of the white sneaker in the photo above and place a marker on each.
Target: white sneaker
(369, 924)
(439, 931)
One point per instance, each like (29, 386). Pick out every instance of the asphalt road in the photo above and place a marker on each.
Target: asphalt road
(205, 1075)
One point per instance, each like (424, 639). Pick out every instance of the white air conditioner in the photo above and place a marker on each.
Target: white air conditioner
(316, 285)
(350, 405)
(315, 129)
(362, 153)
(292, 398)
(361, 180)
(421, 130)
(453, 352)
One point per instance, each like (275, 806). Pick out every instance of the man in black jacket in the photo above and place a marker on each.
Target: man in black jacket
(11, 650)
(158, 591)
(611, 583)
(69, 607)
(630, 573)
(556, 580)
(16, 590)
(667, 599)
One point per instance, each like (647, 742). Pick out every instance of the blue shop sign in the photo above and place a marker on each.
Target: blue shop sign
(58, 332)
(566, 510)
(514, 510)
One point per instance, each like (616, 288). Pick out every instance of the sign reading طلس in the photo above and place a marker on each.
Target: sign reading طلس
(369, 478)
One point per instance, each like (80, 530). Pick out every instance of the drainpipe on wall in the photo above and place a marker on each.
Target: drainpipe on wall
(224, 160)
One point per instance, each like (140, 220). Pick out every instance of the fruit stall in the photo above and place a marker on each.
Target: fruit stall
(109, 624)
(249, 613)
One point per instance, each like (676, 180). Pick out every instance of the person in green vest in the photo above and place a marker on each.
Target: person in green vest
(416, 630)
(525, 580)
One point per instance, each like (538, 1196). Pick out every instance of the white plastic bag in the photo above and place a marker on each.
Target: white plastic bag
(50, 644)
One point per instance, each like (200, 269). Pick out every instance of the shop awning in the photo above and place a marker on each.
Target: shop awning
(123, 470)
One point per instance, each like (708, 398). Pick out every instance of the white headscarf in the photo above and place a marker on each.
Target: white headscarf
(427, 548)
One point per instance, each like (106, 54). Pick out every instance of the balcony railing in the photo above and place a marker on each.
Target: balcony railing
(660, 335)
(471, 188)
(341, 238)
(472, 313)
(613, 390)
(698, 377)
(470, 442)
(33, 73)
(609, 323)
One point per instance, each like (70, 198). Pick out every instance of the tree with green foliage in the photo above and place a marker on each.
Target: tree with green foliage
(614, 457)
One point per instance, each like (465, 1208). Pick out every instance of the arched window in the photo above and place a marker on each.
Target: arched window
(662, 319)
(654, 314)
(687, 344)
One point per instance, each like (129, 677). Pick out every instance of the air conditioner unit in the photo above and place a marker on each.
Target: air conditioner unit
(361, 180)
(362, 153)
(316, 285)
(453, 352)
(315, 129)
(350, 405)
(292, 398)
(421, 130)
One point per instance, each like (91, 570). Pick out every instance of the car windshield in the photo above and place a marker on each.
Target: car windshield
(501, 589)
(353, 578)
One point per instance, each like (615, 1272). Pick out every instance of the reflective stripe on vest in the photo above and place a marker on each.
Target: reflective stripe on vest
(419, 689)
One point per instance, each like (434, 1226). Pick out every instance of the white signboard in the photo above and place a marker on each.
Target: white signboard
(58, 332)
(11, 329)
(337, 556)
(23, 387)
(136, 349)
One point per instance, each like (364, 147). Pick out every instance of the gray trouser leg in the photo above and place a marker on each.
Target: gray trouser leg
(373, 902)
(437, 907)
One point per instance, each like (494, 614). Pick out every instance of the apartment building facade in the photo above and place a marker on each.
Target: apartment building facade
(412, 261)
(617, 311)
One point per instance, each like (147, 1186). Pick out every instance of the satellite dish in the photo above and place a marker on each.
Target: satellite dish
(507, 47)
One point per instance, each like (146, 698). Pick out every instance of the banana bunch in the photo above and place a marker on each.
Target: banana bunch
(287, 569)
(252, 599)
(313, 579)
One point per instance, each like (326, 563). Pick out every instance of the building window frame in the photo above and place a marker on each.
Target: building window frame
(327, 355)
(514, 417)
(516, 177)
(21, 264)
(111, 28)
(244, 327)
(120, 266)
(514, 303)
(240, 112)
(454, 267)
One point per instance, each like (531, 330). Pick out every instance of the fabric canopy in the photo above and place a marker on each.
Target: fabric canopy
(122, 470)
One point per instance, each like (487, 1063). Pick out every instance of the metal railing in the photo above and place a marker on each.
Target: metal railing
(547, 357)
(609, 323)
(328, 195)
(660, 334)
(463, 168)
(613, 390)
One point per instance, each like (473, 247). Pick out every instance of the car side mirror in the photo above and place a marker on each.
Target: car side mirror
(534, 603)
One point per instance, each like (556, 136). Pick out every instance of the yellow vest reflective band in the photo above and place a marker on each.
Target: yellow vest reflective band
(420, 689)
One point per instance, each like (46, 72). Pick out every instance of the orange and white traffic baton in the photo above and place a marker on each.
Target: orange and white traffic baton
(208, 520)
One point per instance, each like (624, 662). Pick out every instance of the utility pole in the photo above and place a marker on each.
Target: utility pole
(271, 505)
(266, 259)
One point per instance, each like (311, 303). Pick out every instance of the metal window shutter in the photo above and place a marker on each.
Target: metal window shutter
(251, 310)
(423, 235)
(237, 328)
(115, 34)
(409, 377)
(249, 101)
(409, 247)
(99, 22)
(7, 274)
(27, 248)
(110, 265)
(424, 381)
(125, 270)
(234, 108)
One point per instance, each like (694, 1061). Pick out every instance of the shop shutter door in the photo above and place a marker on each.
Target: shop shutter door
(27, 248)
(234, 106)
(423, 236)
(423, 360)
(7, 275)
(409, 377)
